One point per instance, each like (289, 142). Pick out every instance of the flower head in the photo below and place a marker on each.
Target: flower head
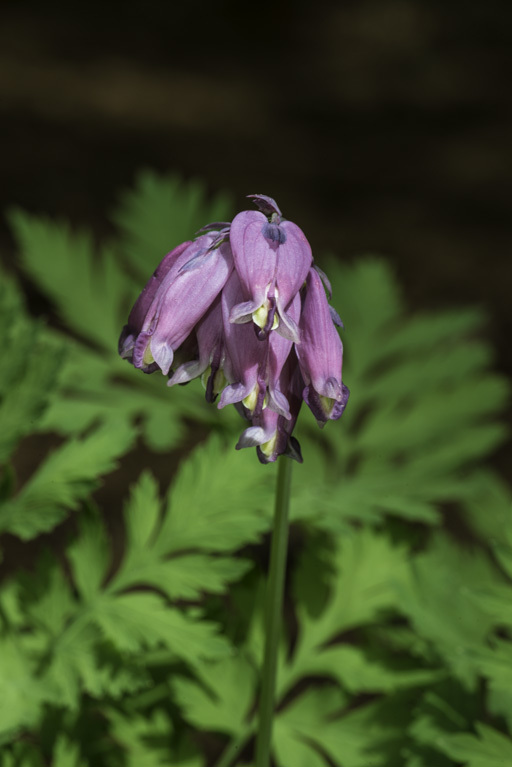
(243, 307)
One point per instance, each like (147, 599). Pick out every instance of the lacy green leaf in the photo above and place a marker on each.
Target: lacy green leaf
(368, 573)
(146, 562)
(368, 570)
(89, 556)
(132, 620)
(64, 479)
(23, 693)
(223, 701)
(493, 661)
(98, 388)
(369, 734)
(45, 599)
(220, 500)
(488, 748)
(145, 740)
(422, 413)
(30, 372)
(78, 666)
(89, 289)
(489, 512)
(137, 620)
(448, 617)
(66, 753)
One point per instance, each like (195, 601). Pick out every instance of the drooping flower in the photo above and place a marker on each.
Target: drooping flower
(244, 308)
(271, 432)
(255, 363)
(320, 354)
(247, 356)
(272, 258)
(191, 282)
(133, 328)
(210, 354)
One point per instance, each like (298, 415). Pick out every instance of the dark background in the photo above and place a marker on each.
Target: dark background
(378, 125)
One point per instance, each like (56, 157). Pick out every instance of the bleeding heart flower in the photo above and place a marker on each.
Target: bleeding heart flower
(244, 308)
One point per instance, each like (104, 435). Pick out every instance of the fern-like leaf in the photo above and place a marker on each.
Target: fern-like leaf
(32, 367)
(489, 748)
(63, 480)
(91, 293)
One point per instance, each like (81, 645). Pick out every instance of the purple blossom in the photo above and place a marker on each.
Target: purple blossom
(271, 432)
(320, 354)
(190, 284)
(243, 307)
(209, 354)
(140, 309)
(247, 356)
(272, 258)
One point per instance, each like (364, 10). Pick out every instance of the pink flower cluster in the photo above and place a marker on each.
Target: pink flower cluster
(244, 307)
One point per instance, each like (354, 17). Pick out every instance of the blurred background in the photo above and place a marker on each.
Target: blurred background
(378, 125)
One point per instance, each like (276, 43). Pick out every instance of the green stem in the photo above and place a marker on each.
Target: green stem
(273, 605)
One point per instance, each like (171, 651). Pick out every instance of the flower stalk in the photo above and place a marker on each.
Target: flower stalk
(274, 609)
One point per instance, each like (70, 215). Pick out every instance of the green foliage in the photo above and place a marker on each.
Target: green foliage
(23, 694)
(92, 291)
(88, 288)
(422, 410)
(143, 738)
(66, 477)
(225, 698)
(135, 637)
(212, 499)
(488, 749)
(30, 369)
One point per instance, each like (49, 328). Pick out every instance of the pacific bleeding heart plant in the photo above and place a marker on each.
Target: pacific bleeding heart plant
(244, 307)
(139, 640)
